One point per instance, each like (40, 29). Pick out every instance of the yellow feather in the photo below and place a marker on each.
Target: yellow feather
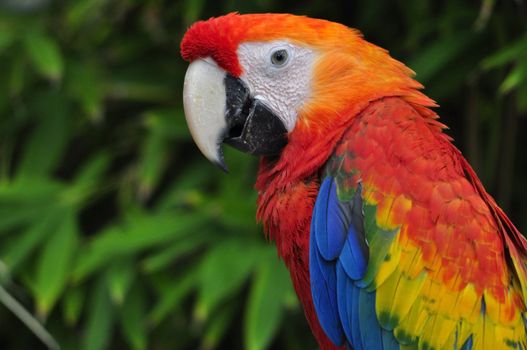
(388, 266)
(451, 341)
(389, 207)
(492, 307)
(446, 304)
(483, 335)
(411, 261)
(468, 304)
(396, 296)
(505, 336)
(411, 326)
(464, 330)
(383, 212)
(437, 331)
(505, 312)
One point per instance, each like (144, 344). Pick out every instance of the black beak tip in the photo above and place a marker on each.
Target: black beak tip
(222, 166)
(220, 163)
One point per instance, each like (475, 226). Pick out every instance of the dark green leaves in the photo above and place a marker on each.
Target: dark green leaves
(266, 302)
(510, 53)
(223, 271)
(49, 138)
(133, 320)
(436, 57)
(100, 319)
(55, 262)
(113, 229)
(514, 54)
(45, 55)
(139, 233)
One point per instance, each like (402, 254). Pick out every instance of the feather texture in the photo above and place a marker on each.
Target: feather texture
(428, 260)
(435, 273)
(355, 306)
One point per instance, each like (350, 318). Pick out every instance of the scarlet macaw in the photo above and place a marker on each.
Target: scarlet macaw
(390, 238)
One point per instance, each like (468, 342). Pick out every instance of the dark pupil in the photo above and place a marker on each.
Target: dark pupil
(279, 57)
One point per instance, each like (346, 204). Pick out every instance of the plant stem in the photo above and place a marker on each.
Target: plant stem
(31, 322)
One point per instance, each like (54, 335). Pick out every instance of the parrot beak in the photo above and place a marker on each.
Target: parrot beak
(219, 108)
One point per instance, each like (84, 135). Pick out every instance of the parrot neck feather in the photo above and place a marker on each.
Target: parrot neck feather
(288, 187)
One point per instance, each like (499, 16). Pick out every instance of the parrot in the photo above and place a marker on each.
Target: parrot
(390, 238)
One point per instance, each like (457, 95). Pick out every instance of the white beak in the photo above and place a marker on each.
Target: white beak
(204, 101)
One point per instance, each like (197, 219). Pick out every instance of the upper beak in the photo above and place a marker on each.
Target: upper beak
(219, 108)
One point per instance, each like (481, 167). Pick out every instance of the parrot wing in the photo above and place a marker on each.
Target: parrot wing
(407, 250)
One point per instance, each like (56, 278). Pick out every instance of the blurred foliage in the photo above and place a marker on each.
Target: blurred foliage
(116, 233)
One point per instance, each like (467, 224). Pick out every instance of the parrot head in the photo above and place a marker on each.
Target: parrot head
(254, 81)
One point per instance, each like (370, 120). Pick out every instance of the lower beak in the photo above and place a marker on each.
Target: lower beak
(219, 108)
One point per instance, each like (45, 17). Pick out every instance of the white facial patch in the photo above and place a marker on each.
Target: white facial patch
(284, 85)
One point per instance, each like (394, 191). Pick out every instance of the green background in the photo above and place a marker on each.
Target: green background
(115, 233)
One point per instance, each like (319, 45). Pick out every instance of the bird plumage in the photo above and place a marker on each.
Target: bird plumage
(390, 238)
(438, 267)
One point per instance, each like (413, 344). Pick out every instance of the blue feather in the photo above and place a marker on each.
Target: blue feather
(338, 258)
(369, 326)
(348, 306)
(323, 290)
(332, 221)
(353, 258)
(355, 254)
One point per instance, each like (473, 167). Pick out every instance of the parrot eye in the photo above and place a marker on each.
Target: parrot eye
(279, 57)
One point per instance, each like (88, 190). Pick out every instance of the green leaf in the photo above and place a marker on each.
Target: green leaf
(507, 54)
(152, 164)
(133, 319)
(17, 76)
(187, 189)
(54, 264)
(36, 191)
(169, 122)
(218, 326)
(7, 37)
(167, 256)
(49, 139)
(19, 216)
(45, 55)
(138, 234)
(121, 275)
(81, 11)
(20, 247)
(73, 302)
(517, 76)
(84, 81)
(164, 125)
(171, 295)
(24, 203)
(87, 181)
(224, 270)
(236, 213)
(432, 59)
(100, 318)
(266, 302)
